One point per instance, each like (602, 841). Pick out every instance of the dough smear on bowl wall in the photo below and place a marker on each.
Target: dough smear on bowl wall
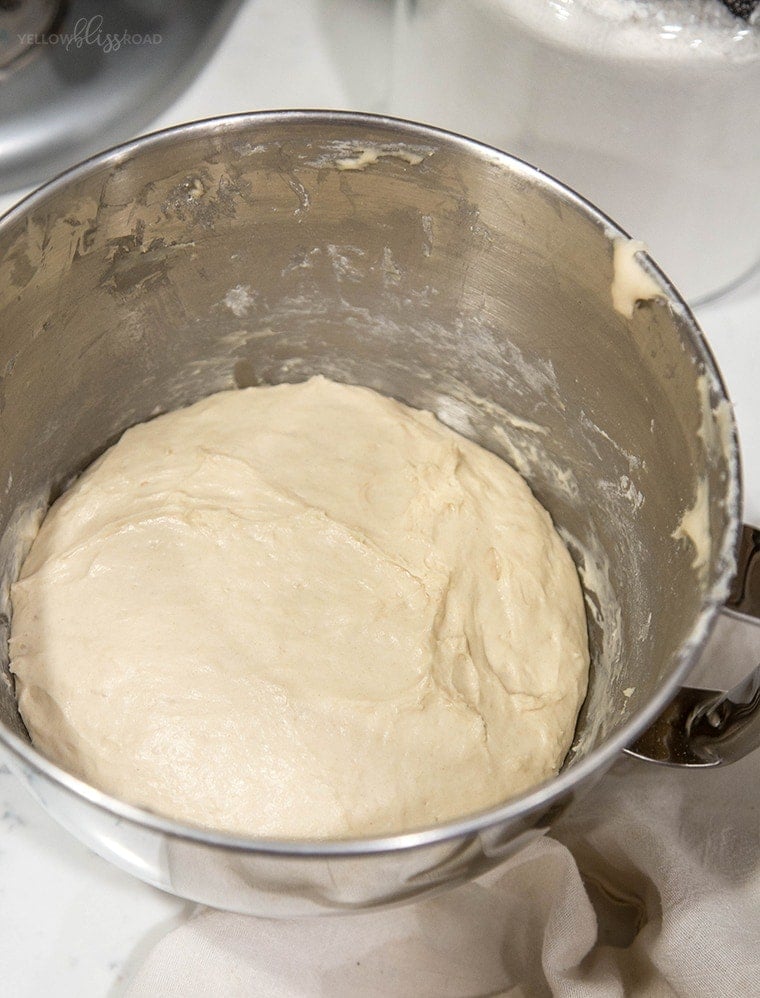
(301, 611)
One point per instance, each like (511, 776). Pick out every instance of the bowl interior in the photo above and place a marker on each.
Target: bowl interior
(268, 248)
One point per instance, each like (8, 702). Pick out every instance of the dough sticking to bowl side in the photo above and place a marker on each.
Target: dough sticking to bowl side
(301, 611)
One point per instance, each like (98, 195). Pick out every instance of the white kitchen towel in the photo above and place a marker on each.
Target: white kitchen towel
(650, 886)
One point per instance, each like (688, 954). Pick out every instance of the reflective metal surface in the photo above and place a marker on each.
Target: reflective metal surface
(744, 597)
(266, 248)
(706, 728)
(21, 21)
(81, 74)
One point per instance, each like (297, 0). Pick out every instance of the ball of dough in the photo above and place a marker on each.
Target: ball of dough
(301, 611)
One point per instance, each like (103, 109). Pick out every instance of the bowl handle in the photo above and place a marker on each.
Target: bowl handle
(705, 728)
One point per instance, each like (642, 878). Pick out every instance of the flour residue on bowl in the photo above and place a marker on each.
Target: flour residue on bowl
(239, 300)
(23, 526)
(368, 155)
(715, 432)
(347, 156)
(630, 282)
(694, 526)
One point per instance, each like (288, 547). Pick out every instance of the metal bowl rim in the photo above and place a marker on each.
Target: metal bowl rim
(600, 758)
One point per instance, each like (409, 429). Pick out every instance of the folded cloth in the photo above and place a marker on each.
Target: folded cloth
(650, 886)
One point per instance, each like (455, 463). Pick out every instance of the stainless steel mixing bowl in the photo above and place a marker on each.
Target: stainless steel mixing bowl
(268, 247)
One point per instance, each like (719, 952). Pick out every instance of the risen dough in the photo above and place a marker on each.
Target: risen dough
(302, 610)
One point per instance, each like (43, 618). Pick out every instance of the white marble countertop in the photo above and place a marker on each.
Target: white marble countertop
(72, 924)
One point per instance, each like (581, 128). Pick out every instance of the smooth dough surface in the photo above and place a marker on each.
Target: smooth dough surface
(301, 611)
